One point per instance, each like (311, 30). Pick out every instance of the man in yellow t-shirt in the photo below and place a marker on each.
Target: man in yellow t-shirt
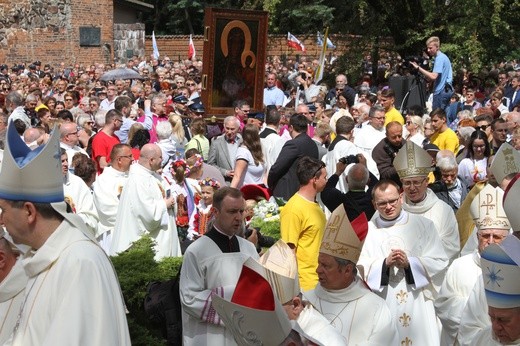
(443, 137)
(387, 100)
(303, 221)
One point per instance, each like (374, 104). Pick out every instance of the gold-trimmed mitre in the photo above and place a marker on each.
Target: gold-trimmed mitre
(343, 239)
(412, 161)
(487, 209)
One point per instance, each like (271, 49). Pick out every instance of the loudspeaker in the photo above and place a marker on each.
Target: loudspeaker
(402, 85)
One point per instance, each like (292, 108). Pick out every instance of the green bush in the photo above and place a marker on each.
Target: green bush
(136, 268)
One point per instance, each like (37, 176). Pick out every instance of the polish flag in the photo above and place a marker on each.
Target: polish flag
(293, 42)
(191, 49)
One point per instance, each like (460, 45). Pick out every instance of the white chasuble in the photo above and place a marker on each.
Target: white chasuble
(362, 317)
(411, 303)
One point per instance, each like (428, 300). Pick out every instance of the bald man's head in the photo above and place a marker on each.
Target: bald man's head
(151, 157)
(357, 177)
(31, 135)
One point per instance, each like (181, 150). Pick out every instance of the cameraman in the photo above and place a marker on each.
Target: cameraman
(358, 199)
(442, 74)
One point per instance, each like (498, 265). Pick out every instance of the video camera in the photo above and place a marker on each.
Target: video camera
(418, 59)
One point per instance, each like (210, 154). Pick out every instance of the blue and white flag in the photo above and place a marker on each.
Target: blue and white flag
(319, 41)
(154, 46)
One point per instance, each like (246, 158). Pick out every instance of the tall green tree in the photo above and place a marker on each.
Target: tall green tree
(473, 33)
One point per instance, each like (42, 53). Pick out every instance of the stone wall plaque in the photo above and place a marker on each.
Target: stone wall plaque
(89, 36)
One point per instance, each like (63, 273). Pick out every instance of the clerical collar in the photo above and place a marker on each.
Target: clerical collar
(383, 223)
(225, 243)
(224, 234)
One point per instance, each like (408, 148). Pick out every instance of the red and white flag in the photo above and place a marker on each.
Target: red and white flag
(293, 42)
(191, 49)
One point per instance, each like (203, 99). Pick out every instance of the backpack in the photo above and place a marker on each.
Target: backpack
(162, 305)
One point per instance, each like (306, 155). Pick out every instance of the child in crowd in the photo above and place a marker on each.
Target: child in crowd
(204, 212)
(249, 212)
(186, 191)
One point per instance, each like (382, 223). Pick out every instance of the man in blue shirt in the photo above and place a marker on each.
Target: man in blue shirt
(442, 74)
(273, 96)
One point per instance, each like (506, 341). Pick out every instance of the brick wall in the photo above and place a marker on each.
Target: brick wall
(176, 46)
(49, 30)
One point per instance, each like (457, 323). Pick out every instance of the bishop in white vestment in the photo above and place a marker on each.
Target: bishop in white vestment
(493, 226)
(341, 296)
(413, 164)
(72, 296)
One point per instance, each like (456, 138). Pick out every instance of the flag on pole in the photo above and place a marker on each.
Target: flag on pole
(191, 49)
(318, 74)
(154, 46)
(293, 42)
(319, 41)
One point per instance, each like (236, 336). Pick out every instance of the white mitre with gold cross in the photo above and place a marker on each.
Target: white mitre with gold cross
(343, 239)
(487, 209)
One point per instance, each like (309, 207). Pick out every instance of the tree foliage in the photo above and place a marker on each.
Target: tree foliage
(473, 33)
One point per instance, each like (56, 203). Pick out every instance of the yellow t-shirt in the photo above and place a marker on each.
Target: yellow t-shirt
(446, 140)
(303, 224)
(393, 115)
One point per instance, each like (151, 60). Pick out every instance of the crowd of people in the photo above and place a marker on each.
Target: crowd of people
(399, 226)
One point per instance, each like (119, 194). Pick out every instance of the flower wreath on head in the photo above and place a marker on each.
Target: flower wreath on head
(197, 163)
(209, 182)
(179, 163)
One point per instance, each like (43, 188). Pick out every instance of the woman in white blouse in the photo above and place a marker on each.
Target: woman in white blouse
(249, 160)
(414, 125)
(472, 169)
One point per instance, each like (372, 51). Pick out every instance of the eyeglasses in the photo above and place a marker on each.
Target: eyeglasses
(190, 84)
(68, 99)
(489, 236)
(322, 165)
(413, 183)
(379, 118)
(93, 105)
(482, 127)
(392, 203)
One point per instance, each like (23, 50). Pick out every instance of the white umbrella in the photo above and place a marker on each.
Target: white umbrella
(120, 73)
